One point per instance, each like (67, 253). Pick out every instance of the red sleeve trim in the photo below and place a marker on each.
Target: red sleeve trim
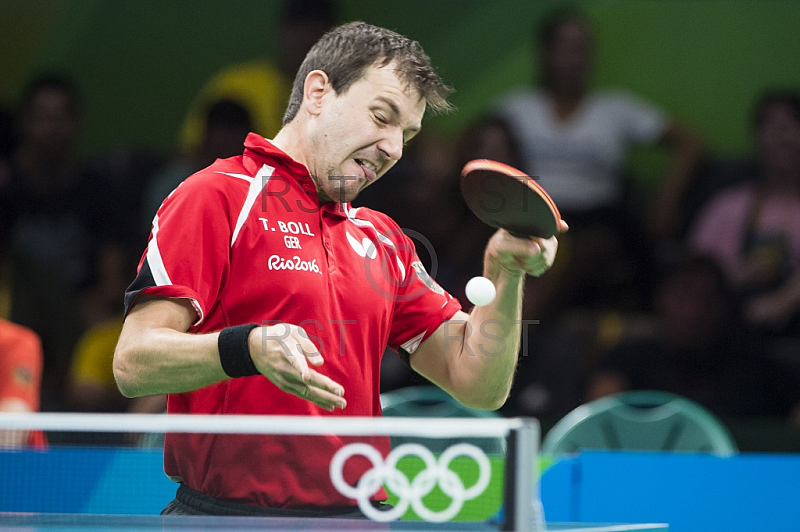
(410, 341)
(170, 292)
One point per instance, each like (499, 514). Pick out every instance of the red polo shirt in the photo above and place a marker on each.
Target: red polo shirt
(247, 241)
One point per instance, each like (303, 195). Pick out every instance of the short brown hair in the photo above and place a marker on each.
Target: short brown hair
(346, 51)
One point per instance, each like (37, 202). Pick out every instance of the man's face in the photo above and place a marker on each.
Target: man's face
(48, 123)
(778, 139)
(569, 58)
(358, 135)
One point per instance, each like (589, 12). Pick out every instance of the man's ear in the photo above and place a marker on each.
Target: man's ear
(315, 89)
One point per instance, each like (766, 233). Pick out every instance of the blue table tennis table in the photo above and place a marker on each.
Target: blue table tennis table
(31, 522)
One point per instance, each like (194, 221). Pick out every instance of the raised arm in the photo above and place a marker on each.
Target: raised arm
(473, 356)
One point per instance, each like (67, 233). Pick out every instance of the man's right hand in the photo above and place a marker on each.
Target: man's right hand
(282, 353)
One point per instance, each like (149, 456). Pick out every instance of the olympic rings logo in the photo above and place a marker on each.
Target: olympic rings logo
(410, 492)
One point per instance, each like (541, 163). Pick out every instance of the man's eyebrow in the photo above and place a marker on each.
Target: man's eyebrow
(396, 111)
(392, 106)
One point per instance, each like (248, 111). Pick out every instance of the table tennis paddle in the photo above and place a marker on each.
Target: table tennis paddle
(502, 196)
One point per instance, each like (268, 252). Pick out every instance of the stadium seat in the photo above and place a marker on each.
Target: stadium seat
(432, 401)
(641, 420)
(426, 401)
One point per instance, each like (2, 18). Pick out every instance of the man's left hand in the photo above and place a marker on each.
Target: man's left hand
(520, 256)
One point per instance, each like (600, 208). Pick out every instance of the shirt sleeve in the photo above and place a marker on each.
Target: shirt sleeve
(20, 364)
(640, 120)
(188, 254)
(421, 305)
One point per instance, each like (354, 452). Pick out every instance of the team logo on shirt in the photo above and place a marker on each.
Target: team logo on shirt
(422, 273)
(365, 248)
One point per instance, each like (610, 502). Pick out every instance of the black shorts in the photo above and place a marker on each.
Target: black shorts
(190, 502)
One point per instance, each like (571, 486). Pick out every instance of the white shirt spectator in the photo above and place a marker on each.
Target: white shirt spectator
(578, 161)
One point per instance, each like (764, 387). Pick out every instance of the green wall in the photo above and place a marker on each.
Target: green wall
(140, 62)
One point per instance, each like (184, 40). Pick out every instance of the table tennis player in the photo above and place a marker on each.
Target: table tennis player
(262, 291)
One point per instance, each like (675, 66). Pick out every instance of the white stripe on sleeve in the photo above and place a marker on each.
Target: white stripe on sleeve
(154, 260)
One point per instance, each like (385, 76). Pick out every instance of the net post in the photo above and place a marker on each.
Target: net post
(521, 499)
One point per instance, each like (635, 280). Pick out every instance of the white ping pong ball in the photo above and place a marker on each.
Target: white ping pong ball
(480, 291)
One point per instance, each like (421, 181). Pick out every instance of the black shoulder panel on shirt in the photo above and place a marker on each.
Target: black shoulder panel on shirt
(143, 280)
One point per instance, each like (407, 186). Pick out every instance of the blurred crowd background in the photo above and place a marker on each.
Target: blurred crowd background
(668, 132)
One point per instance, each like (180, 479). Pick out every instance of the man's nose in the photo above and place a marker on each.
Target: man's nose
(392, 145)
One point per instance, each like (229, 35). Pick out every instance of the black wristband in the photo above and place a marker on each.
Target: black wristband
(234, 351)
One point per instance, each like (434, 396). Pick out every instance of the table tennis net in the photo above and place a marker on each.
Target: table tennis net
(437, 470)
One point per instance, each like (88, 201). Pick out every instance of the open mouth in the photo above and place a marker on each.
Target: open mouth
(370, 170)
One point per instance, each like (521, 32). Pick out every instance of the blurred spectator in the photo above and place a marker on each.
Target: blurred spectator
(48, 191)
(576, 141)
(263, 86)
(69, 228)
(698, 349)
(45, 247)
(226, 125)
(753, 228)
(20, 378)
